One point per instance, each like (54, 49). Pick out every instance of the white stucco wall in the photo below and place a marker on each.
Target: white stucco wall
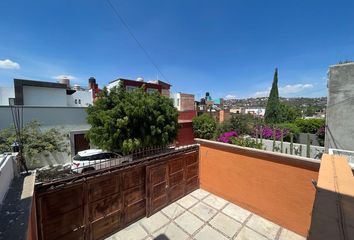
(42, 96)
(5, 94)
(83, 99)
(6, 174)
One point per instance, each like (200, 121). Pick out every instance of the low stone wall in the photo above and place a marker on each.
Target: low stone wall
(273, 185)
(298, 149)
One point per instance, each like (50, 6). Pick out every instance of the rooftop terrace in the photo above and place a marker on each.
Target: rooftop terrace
(202, 216)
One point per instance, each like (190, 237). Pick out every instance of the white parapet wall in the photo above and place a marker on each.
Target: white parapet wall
(7, 170)
(298, 149)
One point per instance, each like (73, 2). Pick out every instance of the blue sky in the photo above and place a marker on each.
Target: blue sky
(229, 48)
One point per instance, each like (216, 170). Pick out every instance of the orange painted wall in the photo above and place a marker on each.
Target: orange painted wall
(275, 188)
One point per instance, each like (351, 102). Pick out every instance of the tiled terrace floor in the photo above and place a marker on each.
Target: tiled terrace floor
(203, 216)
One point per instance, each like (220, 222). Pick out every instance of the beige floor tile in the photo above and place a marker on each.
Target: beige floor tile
(236, 212)
(173, 210)
(249, 234)
(203, 211)
(189, 222)
(215, 201)
(208, 233)
(187, 201)
(200, 193)
(171, 231)
(263, 226)
(154, 222)
(225, 224)
(132, 232)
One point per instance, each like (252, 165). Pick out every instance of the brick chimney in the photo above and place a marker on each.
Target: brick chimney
(94, 87)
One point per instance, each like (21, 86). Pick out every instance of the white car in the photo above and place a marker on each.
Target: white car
(95, 159)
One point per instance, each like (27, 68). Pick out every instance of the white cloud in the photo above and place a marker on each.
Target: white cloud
(296, 88)
(286, 90)
(230, 96)
(264, 93)
(8, 64)
(59, 77)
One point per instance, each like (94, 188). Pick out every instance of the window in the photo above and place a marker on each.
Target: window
(79, 101)
(130, 88)
(75, 101)
(151, 90)
(177, 101)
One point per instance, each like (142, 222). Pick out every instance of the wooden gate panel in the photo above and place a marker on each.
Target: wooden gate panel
(55, 228)
(134, 194)
(103, 187)
(102, 208)
(107, 225)
(58, 202)
(192, 172)
(157, 187)
(176, 179)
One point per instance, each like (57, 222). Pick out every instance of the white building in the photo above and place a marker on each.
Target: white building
(46, 94)
(257, 111)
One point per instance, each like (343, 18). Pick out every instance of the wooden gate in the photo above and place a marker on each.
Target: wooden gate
(171, 180)
(97, 204)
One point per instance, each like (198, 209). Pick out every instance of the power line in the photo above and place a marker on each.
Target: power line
(135, 38)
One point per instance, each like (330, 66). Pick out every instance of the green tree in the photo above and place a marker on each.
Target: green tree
(129, 120)
(272, 113)
(288, 113)
(35, 140)
(204, 126)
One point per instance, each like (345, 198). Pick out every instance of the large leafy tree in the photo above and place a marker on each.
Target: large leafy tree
(128, 120)
(35, 140)
(273, 109)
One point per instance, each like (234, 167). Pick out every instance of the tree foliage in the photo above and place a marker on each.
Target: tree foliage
(204, 126)
(272, 113)
(128, 120)
(35, 140)
(309, 125)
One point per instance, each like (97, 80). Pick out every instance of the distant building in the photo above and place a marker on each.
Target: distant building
(184, 101)
(239, 110)
(256, 111)
(49, 94)
(151, 86)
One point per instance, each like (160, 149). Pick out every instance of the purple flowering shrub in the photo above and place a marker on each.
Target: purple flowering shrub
(227, 136)
(321, 134)
(267, 132)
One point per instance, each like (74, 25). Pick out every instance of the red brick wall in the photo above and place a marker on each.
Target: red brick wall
(185, 134)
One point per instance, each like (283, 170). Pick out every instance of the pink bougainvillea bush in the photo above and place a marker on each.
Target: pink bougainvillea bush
(226, 137)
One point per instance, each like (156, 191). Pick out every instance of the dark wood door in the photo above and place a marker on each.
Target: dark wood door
(157, 187)
(81, 143)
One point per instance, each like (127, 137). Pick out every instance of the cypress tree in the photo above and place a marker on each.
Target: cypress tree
(273, 111)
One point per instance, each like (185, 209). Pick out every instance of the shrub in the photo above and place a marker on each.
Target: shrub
(246, 142)
(222, 128)
(226, 137)
(268, 132)
(291, 128)
(321, 134)
(34, 140)
(309, 125)
(243, 123)
(204, 126)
